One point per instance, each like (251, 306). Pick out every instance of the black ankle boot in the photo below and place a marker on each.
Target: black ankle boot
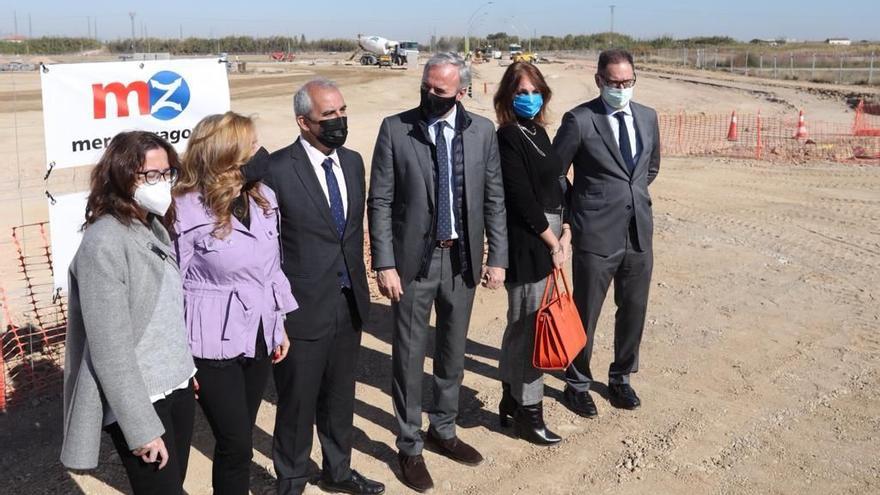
(507, 406)
(529, 423)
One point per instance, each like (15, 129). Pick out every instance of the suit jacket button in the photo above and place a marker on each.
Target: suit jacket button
(338, 274)
(628, 207)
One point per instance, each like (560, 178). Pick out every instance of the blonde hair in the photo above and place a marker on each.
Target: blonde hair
(219, 145)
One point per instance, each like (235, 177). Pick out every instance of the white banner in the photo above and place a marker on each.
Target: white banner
(85, 105)
(66, 216)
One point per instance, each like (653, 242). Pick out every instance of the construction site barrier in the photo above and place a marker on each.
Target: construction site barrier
(794, 139)
(32, 354)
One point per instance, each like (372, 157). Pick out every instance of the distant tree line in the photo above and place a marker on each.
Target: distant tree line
(50, 44)
(248, 44)
(595, 41)
(232, 44)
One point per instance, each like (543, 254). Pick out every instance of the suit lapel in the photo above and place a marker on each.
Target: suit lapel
(422, 146)
(303, 168)
(640, 122)
(600, 120)
(472, 156)
(351, 186)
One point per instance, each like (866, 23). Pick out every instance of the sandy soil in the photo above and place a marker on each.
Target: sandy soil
(760, 359)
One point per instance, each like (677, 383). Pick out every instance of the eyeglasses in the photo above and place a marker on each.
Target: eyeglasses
(152, 177)
(620, 84)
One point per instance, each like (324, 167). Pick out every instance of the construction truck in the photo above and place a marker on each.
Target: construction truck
(514, 50)
(518, 55)
(376, 50)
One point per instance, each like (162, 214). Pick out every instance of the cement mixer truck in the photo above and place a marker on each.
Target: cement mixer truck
(376, 50)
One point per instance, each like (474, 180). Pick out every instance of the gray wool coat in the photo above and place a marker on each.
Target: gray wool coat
(126, 336)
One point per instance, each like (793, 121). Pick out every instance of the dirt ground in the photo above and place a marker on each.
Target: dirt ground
(759, 367)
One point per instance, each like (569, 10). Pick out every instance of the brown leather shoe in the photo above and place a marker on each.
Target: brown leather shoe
(454, 449)
(415, 473)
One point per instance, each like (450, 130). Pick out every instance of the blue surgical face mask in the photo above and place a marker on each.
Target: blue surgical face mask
(616, 98)
(528, 105)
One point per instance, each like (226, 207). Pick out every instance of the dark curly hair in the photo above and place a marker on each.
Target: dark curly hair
(114, 178)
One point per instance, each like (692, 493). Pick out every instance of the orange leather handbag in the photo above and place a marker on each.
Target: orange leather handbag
(559, 333)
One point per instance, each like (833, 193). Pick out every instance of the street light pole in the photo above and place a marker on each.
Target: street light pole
(132, 14)
(467, 38)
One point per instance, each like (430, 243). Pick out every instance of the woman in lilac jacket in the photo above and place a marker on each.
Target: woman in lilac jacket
(235, 294)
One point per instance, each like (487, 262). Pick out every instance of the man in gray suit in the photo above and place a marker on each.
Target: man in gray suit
(435, 189)
(614, 145)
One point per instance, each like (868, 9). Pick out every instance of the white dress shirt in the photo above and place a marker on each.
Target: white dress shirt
(630, 127)
(449, 134)
(317, 160)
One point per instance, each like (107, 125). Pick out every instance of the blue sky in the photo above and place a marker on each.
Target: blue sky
(413, 19)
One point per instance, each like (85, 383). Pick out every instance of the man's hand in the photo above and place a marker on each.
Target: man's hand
(153, 451)
(389, 284)
(565, 241)
(492, 277)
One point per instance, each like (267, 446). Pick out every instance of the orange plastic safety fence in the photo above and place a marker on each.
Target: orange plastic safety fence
(32, 354)
(769, 138)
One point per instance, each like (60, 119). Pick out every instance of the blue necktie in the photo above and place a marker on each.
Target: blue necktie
(625, 146)
(444, 220)
(336, 210)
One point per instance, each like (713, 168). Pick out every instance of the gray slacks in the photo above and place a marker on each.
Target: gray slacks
(631, 271)
(518, 344)
(443, 288)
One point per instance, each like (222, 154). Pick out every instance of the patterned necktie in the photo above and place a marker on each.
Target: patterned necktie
(336, 210)
(625, 146)
(444, 218)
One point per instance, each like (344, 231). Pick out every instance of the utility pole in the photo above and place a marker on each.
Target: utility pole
(15, 22)
(132, 14)
(95, 28)
(30, 27)
(181, 32)
(612, 17)
(89, 26)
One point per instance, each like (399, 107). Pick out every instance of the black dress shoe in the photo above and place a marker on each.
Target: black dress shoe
(529, 423)
(622, 396)
(454, 449)
(580, 403)
(355, 484)
(414, 472)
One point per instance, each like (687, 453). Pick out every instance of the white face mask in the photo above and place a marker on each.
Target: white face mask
(155, 198)
(616, 98)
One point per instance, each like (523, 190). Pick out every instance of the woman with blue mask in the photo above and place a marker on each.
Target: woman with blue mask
(539, 240)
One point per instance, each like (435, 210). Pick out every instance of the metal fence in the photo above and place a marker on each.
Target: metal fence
(839, 66)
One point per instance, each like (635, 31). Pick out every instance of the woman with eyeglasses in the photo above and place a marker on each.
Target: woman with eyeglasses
(127, 367)
(236, 295)
(539, 240)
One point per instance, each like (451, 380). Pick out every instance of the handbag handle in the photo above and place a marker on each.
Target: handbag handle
(554, 277)
(561, 274)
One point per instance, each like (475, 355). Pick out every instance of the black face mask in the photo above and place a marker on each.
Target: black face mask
(434, 106)
(333, 132)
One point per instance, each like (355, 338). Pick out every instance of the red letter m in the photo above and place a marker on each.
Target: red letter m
(121, 93)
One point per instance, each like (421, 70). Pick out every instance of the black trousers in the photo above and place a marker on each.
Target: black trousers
(230, 394)
(630, 268)
(176, 413)
(316, 389)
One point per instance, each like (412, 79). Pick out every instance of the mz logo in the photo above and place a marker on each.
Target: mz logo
(164, 96)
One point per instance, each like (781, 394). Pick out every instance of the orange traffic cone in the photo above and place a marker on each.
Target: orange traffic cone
(731, 131)
(801, 132)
